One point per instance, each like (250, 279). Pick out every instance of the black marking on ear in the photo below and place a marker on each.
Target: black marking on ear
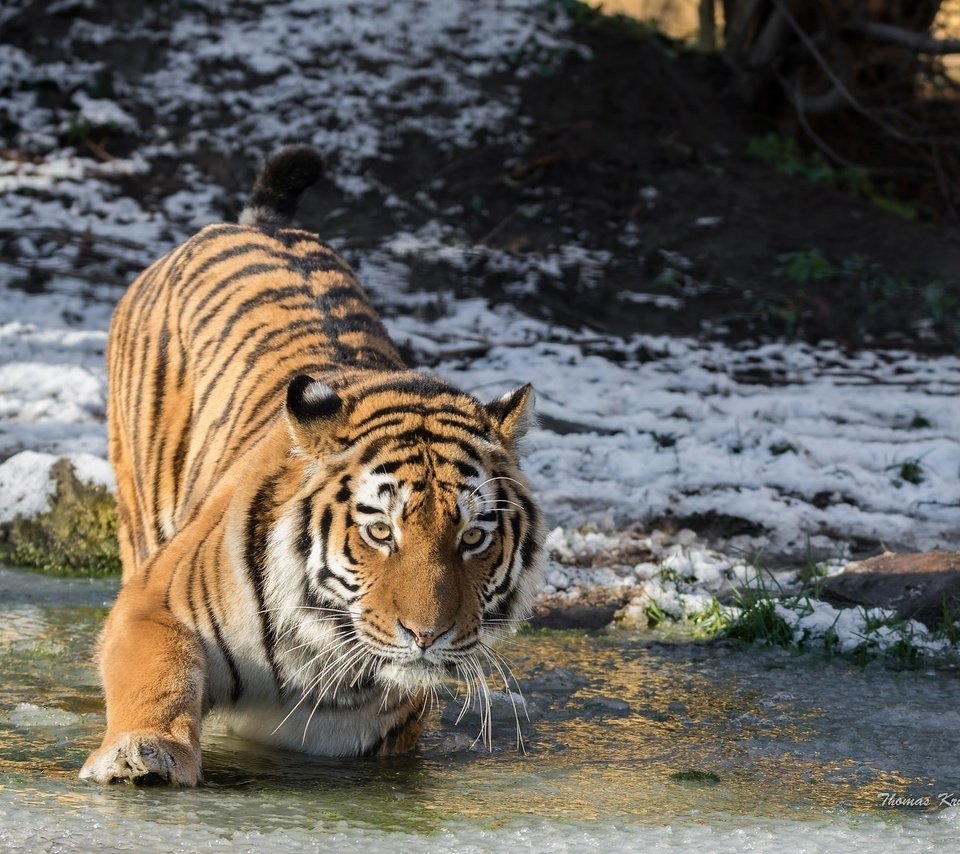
(309, 399)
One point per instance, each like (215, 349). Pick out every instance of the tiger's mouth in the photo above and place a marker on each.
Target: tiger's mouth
(412, 674)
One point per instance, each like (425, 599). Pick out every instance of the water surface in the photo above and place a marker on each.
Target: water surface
(789, 749)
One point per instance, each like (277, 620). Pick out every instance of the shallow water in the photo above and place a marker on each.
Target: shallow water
(799, 749)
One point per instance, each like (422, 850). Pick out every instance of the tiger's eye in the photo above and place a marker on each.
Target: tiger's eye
(380, 531)
(472, 536)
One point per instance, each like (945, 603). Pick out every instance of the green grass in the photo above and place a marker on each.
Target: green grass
(860, 282)
(786, 156)
(949, 627)
(654, 614)
(759, 623)
(764, 613)
(712, 621)
(908, 471)
(803, 266)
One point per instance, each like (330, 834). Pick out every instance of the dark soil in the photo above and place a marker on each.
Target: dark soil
(643, 153)
(641, 114)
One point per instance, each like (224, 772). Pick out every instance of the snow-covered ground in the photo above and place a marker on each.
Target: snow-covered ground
(810, 448)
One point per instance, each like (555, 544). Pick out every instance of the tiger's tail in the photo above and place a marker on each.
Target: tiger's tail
(280, 184)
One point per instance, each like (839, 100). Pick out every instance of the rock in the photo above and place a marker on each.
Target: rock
(558, 616)
(580, 608)
(608, 706)
(61, 516)
(917, 586)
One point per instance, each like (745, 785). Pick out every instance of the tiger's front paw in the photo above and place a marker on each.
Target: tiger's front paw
(143, 758)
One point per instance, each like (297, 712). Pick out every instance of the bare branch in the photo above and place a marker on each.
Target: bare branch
(893, 35)
(708, 25)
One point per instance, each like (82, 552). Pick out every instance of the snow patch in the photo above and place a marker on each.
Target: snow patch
(27, 485)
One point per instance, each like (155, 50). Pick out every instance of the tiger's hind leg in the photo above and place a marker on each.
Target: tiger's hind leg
(153, 671)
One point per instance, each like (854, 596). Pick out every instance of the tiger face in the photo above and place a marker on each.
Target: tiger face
(416, 522)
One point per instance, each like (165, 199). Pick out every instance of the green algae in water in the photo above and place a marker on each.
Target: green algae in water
(692, 776)
(77, 536)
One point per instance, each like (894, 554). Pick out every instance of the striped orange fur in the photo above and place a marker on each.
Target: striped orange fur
(312, 536)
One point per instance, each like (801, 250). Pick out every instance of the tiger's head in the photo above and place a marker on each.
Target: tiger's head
(414, 519)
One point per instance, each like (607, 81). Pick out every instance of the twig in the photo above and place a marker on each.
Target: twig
(100, 152)
(582, 200)
(61, 235)
(893, 35)
(841, 87)
(708, 25)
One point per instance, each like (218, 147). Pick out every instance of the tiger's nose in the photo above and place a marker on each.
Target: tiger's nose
(424, 637)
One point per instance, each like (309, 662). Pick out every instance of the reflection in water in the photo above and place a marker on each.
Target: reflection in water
(612, 717)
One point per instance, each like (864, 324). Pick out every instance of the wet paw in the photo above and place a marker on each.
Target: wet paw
(146, 759)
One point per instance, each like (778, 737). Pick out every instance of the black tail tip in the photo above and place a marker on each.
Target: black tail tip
(281, 182)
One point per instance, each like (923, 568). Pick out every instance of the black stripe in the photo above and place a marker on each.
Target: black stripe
(159, 395)
(338, 294)
(348, 554)
(267, 296)
(392, 466)
(179, 458)
(422, 408)
(188, 595)
(326, 573)
(465, 469)
(467, 427)
(305, 537)
(237, 691)
(326, 522)
(529, 544)
(214, 292)
(508, 579)
(418, 384)
(224, 290)
(409, 438)
(343, 493)
(215, 356)
(502, 609)
(257, 532)
(357, 322)
(389, 422)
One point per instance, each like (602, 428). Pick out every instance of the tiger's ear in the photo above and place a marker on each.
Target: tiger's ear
(313, 411)
(512, 414)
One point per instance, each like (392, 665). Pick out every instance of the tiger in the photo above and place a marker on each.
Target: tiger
(313, 537)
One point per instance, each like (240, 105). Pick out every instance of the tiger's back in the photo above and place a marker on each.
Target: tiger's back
(202, 349)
